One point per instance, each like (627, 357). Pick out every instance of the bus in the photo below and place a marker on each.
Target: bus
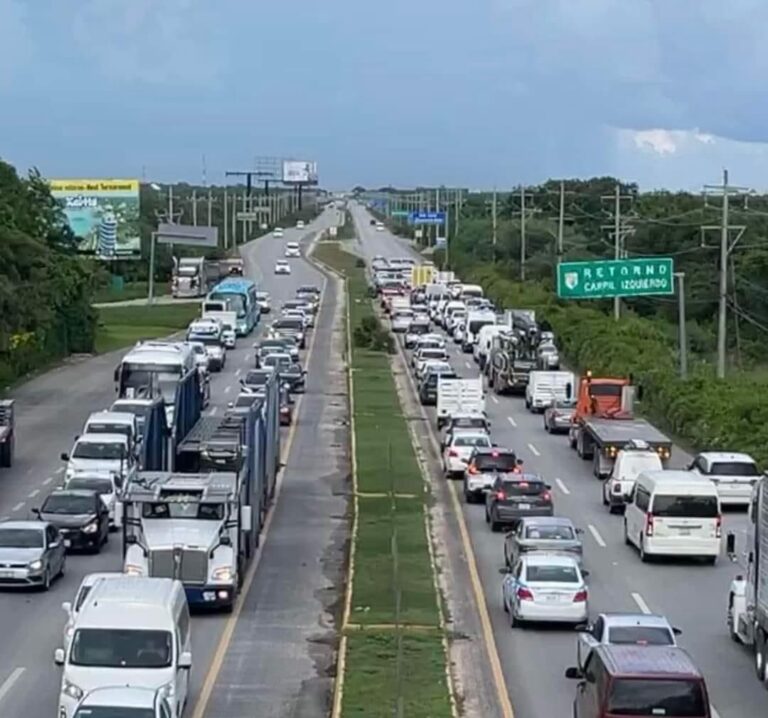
(240, 295)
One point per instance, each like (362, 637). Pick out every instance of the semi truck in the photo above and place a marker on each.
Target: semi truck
(7, 433)
(511, 361)
(194, 276)
(604, 423)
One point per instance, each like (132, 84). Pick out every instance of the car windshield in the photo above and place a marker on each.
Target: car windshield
(21, 538)
(279, 360)
(68, 504)
(293, 324)
(641, 635)
(495, 461)
(418, 328)
(180, 509)
(549, 533)
(121, 648)
(474, 422)
(97, 427)
(656, 697)
(100, 486)
(734, 468)
(256, 378)
(699, 507)
(245, 399)
(552, 574)
(111, 451)
(481, 441)
(110, 712)
(432, 354)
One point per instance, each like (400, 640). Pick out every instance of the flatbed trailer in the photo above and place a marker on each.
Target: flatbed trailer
(601, 440)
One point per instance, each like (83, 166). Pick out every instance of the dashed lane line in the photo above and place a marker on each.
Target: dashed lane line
(562, 486)
(9, 682)
(596, 535)
(641, 604)
(60, 470)
(48, 481)
(534, 450)
(227, 389)
(494, 399)
(512, 421)
(33, 493)
(18, 506)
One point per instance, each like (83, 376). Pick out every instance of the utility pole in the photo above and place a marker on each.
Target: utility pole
(194, 207)
(620, 230)
(681, 328)
(561, 222)
(726, 247)
(494, 223)
(210, 208)
(522, 233)
(226, 217)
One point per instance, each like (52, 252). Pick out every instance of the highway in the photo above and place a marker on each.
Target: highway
(692, 596)
(297, 563)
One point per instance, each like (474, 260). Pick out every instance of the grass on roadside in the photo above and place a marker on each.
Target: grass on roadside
(123, 326)
(131, 290)
(393, 584)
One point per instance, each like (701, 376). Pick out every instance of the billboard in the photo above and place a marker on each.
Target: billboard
(103, 214)
(299, 172)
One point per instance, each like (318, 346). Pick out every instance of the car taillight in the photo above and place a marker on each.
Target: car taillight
(453, 453)
(649, 524)
(546, 496)
(580, 596)
(719, 527)
(501, 496)
(472, 469)
(524, 594)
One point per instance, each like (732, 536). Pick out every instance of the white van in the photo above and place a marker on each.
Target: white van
(544, 387)
(131, 631)
(482, 348)
(635, 458)
(471, 290)
(674, 513)
(114, 422)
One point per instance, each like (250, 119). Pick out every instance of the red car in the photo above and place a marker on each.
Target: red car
(286, 407)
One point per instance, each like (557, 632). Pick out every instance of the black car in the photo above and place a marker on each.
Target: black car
(256, 378)
(428, 386)
(294, 377)
(290, 327)
(81, 517)
(514, 496)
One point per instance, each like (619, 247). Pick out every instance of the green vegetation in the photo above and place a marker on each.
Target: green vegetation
(45, 290)
(397, 653)
(123, 326)
(130, 290)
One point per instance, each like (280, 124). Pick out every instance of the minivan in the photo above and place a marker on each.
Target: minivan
(674, 513)
(544, 387)
(130, 631)
(631, 680)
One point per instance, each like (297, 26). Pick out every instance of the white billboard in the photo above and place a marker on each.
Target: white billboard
(299, 172)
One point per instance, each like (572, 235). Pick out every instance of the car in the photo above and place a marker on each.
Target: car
(310, 289)
(292, 249)
(305, 317)
(277, 232)
(72, 608)
(477, 423)
(303, 303)
(483, 466)
(458, 449)
(276, 361)
(291, 327)
(430, 341)
(286, 406)
(294, 376)
(106, 484)
(32, 554)
(254, 379)
(128, 700)
(264, 301)
(547, 357)
(542, 533)
(300, 224)
(546, 587)
(282, 267)
(513, 496)
(635, 629)
(81, 517)
(228, 337)
(201, 356)
(401, 320)
(274, 346)
(417, 328)
(423, 355)
(637, 456)
(428, 383)
(246, 398)
(309, 299)
(558, 416)
(734, 474)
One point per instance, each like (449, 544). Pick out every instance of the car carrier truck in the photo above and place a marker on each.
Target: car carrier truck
(7, 428)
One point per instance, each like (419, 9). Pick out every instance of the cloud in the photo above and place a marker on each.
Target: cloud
(15, 40)
(162, 42)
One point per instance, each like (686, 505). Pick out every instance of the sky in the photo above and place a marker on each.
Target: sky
(408, 92)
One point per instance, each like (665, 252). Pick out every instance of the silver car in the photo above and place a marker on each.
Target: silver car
(32, 554)
(558, 415)
(546, 588)
(543, 533)
(638, 629)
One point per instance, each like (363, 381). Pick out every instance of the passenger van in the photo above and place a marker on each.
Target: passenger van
(630, 680)
(471, 290)
(544, 387)
(130, 631)
(674, 513)
(482, 348)
(114, 422)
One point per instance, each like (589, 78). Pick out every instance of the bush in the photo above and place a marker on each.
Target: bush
(708, 413)
(369, 334)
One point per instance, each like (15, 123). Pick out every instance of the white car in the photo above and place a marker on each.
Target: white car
(379, 226)
(229, 337)
(297, 314)
(282, 267)
(264, 301)
(401, 320)
(433, 365)
(72, 609)
(546, 587)
(292, 249)
(430, 340)
(458, 449)
(277, 232)
(424, 355)
(734, 475)
(300, 224)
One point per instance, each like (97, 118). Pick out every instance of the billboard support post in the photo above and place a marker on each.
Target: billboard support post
(151, 278)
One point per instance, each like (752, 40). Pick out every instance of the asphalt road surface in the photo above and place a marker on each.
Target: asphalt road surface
(51, 410)
(691, 595)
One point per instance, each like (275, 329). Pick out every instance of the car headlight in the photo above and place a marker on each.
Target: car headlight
(133, 569)
(223, 574)
(36, 565)
(91, 528)
(72, 690)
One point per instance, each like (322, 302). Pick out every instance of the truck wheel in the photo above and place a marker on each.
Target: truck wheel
(760, 656)
(596, 466)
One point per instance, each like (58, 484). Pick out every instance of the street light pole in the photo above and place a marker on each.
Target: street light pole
(681, 328)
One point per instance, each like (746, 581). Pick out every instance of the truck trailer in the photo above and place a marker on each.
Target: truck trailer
(7, 435)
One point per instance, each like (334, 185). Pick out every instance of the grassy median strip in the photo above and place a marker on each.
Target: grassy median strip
(123, 326)
(395, 660)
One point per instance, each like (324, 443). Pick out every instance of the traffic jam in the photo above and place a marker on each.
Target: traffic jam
(624, 663)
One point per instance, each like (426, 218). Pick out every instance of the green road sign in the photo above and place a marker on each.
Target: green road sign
(401, 213)
(615, 278)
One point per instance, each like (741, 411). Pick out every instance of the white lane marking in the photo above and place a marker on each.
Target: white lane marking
(534, 450)
(596, 535)
(9, 682)
(494, 399)
(34, 493)
(237, 372)
(18, 506)
(48, 481)
(562, 486)
(468, 364)
(227, 389)
(213, 411)
(640, 601)
(60, 470)
(511, 421)
(713, 711)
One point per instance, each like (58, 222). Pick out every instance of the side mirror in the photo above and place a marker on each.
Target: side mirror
(225, 540)
(730, 543)
(519, 462)
(35, 511)
(58, 656)
(116, 374)
(676, 631)
(185, 660)
(64, 456)
(230, 404)
(585, 573)
(549, 488)
(67, 607)
(579, 531)
(246, 517)
(130, 539)
(568, 390)
(639, 393)
(582, 627)
(573, 673)
(505, 570)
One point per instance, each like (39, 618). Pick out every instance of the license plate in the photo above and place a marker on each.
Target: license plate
(67, 543)
(554, 598)
(209, 596)
(685, 532)
(524, 507)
